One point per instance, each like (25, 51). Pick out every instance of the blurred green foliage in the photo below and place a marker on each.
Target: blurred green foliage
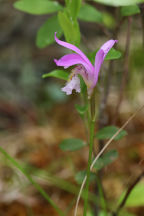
(72, 144)
(130, 10)
(109, 131)
(45, 35)
(136, 197)
(106, 159)
(89, 13)
(38, 7)
(79, 177)
(60, 74)
(117, 3)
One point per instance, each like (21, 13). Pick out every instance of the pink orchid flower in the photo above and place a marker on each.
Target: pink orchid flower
(83, 67)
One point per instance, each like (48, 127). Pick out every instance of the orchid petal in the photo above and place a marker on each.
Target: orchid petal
(98, 61)
(107, 46)
(75, 49)
(101, 54)
(70, 60)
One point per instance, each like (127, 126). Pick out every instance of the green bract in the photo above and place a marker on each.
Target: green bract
(73, 8)
(70, 28)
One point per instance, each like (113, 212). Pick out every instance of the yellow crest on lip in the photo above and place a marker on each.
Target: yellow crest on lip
(71, 76)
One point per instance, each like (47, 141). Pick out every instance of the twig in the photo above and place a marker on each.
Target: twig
(142, 22)
(128, 193)
(101, 152)
(126, 69)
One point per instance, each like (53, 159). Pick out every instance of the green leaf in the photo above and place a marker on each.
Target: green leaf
(70, 28)
(60, 74)
(38, 7)
(45, 35)
(79, 177)
(90, 14)
(106, 159)
(108, 132)
(81, 109)
(136, 197)
(73, 8)
(112, 54)
(130, 10)
(117, 3)
(72, 144)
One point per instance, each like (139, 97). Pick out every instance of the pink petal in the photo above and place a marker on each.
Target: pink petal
(107, 46)
(75, 49)
(101, 54)
(71, 59)
(98, 61)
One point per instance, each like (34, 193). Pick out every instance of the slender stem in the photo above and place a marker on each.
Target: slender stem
(102, 121)
(91, 140)
(85, 117)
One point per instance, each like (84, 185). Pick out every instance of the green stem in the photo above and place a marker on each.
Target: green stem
(91, 140)
(37, 186)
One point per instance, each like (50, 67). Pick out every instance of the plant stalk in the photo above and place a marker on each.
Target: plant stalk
(91, 141)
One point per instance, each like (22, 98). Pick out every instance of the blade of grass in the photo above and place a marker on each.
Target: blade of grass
(37, 186)
(63, 185)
